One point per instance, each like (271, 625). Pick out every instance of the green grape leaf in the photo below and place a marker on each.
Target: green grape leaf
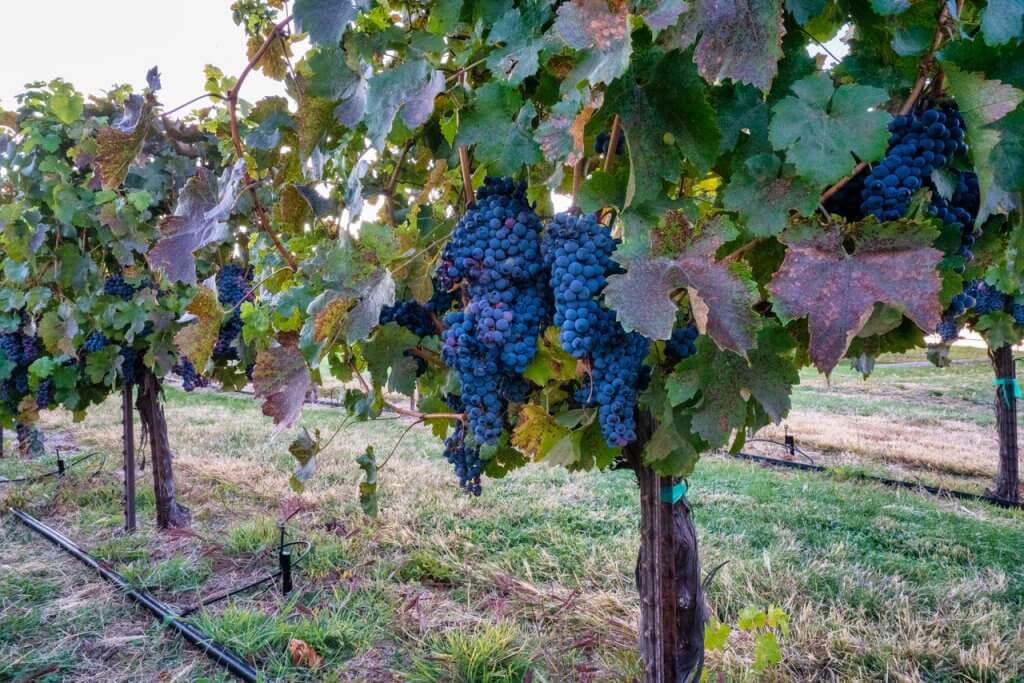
(502, 144)
(670, 451)
(304, 448)
(766, 651)
(282, 379)
(199, 219)
(764, 197)
(716, 635)
(378, 293)
(67, 105)
(601, 31)
(724, 381)
(998, 330)
(368, 494)
(407, 90)
(983, 102)
(121, 142)
(821, 128)
(751, 619)
(197, 339)
(1002, 21)
(267, 135)
(721, 295)
(887, 8)
(387, 350)
(323, 20)
(1008, 155)
(892, 263)
(58, 328)
(518, 32)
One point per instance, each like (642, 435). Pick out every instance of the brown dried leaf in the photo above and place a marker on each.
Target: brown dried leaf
(119, 143)
(303, 654)
(327, 326)
(282, 379)
(837, 289)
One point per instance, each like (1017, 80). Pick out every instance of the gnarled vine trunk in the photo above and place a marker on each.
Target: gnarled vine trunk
(168, 513)
(1008, 474)
(668, 578)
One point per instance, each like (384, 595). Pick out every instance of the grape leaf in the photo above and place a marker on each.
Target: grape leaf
(669, 451)
(537, 432)
(1008, 155)
(888, 8)
(57, 329)
(323, 20)
(740, 40)
(550, 362)
(198, 220)
(663, 14)
(304, 448)
(387, 350)
(67, 105)
(891, 263)
(820, 128)
(367, 462)
(1002, 21)
(561, 135)
(764, 197)
(601, 29)
(196, 340)
(725, 381)
(379, 292)
(720, 294)
(281, 379)
(519, 34)
(408, 90)
(121, 142)
(503, 145)
(983, 102)
(998, 330)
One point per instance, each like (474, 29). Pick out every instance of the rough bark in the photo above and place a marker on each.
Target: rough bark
(169, 514)
(668, 578)
(30, 441)
(1008, 474)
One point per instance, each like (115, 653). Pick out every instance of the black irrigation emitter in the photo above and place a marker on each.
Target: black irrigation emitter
(895, 483)
(218, 653)
(284, 572)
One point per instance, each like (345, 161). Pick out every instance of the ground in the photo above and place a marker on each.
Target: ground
(533, 580)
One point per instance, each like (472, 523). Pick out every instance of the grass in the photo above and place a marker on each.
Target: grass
(534, 578)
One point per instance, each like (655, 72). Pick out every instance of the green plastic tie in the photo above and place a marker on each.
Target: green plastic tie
(1002, 383)
(674, 493)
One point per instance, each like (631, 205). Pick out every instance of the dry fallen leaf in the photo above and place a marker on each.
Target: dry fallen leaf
(303, 654)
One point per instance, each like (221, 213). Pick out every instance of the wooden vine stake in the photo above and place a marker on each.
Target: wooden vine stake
(668, 577)
(128, 436)
(1008, 472)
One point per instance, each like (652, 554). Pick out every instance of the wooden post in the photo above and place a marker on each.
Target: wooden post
(168, 513)
(668, 578)
(1008, 473)
(128, 436)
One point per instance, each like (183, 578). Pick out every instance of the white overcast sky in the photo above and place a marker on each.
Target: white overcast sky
(95, 44)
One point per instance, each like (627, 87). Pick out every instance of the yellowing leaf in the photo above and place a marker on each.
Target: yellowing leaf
(197, 339)
(536, 432)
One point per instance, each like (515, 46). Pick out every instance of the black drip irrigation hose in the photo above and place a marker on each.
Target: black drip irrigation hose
(218, 653)
(895, 483)
(62, 468)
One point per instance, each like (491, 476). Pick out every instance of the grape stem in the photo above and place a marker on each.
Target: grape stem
(405, 411)
(924, 71)
(467, 175)
(389, 189)
(398, 443)
(276, 33)
(577, 180)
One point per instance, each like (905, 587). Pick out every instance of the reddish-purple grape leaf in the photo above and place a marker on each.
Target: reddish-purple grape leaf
(281, 379)
(561, 135)
(836, 289)
(725, 382)
(661, 14)
(198, 220)
(197, 339)
(721, 294)
(741, 40)
(601, 30)
(120, 143)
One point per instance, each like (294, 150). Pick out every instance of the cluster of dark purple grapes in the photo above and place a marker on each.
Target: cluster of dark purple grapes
(959, 211)
(918, 145)
(116, 286)
(411, 315)
(464, 458)
(22, 350)
(682, 344)
(190, 379)
(605, 137)
(234, 285)
(578, 251)
(495, 253)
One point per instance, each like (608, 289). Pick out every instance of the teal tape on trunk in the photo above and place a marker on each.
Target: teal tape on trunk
(673, 494)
